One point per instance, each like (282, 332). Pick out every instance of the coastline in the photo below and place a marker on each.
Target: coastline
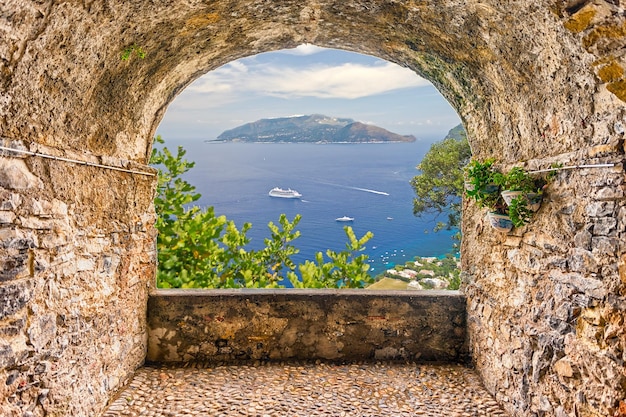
(422, 273)
(309, 143)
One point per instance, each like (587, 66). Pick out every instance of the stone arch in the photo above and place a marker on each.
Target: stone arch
(534, 82)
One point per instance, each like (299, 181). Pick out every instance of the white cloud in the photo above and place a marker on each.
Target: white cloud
(303, 50)
(347, 80)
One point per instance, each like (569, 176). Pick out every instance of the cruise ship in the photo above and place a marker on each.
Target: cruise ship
(288, 193)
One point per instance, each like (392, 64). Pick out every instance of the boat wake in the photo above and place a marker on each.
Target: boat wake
(369, 191)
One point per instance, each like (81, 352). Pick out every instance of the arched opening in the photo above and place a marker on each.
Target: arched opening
(349, 175)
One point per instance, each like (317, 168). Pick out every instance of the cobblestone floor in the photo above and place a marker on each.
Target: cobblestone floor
(370, 389)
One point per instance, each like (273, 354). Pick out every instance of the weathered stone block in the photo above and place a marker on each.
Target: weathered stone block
(38, 223)
(581, 260)
(604, 246)
(582, 240)
(7, 358)
(7, 217)
(621, 219)
(609, 193)
(59, 209)
(600, 208)
(53, 240)
(85, 264)
(604, 226)
(15, 175)
(563, 367)
(8, 234)
(13, 327)
(15, 296)
(572, 283)
(42, 331)
(14, 265)
(9, 201)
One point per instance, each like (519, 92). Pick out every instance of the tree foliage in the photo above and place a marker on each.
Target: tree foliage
(197, 249)
(439, 185)
(346, 269)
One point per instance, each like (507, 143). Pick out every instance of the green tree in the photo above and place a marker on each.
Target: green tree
(439, 185)
(346, 269)
(197, 249)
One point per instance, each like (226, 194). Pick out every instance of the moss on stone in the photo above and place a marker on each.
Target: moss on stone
(611, 72)
(604, 32)
(580, 21)
(202, 20)
(619, 89)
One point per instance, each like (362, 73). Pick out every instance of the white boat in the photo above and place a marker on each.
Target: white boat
(344, 219)
(281, 193)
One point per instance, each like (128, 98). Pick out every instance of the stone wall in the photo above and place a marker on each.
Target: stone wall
(74, 254)
(334, 325)
(534, 82)
(546, 302)
(546, 318)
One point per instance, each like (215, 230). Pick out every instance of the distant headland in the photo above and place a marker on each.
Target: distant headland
(314, 128)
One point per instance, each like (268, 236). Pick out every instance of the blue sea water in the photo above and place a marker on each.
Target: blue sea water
(369, 182)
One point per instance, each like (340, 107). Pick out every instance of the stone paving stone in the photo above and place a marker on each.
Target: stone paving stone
(305, 389)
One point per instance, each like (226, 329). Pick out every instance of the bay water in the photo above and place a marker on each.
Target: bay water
(369, 182)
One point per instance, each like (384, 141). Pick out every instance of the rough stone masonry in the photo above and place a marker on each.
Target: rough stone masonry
(535, 82)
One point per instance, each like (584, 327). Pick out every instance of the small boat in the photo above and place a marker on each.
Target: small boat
(344, 219)
(389, 218)
(281, 193)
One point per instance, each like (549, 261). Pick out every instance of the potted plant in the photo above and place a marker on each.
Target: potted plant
(519, 210)
(517, 183)
(498, 215)
(480, 184)
(521, 193)
(511, 198)
(482, 187)
(500, 221)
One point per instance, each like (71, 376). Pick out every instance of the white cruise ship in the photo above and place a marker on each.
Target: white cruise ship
(288, 193)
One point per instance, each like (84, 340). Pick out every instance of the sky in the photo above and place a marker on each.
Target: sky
(308, 80)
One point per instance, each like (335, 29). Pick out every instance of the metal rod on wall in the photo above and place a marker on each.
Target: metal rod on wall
(75, 161)
(572, 167)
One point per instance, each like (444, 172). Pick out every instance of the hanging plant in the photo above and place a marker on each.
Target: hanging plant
(511, 198)
(480, 183)
(519, 211)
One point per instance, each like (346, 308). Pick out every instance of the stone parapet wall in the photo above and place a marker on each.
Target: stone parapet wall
(76, 246)
(279, 325)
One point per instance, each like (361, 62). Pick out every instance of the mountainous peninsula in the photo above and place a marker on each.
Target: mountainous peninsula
(314, 128)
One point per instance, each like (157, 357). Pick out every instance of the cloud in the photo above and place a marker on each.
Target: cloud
(344, 80)
(303, 50)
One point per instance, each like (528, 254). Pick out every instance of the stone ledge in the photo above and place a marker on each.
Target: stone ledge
(336, 325)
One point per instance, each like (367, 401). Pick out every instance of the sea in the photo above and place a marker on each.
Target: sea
(368, 182)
